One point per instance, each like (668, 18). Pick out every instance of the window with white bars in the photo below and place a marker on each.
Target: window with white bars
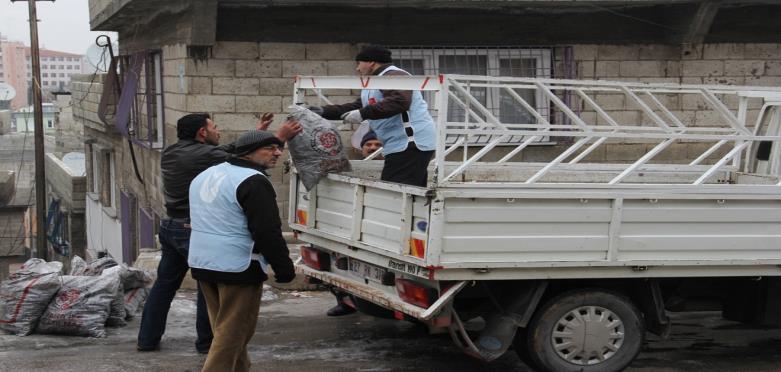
(146, 117)
(498, 61)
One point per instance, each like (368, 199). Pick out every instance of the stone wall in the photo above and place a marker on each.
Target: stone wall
(68, 134)
(70, 189)
(710, 64)
(239, 81)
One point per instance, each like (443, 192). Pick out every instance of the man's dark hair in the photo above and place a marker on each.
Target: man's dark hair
(374, 53)
(187, 126)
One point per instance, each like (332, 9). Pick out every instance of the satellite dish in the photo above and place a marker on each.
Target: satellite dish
(7, 92)
(98, 57)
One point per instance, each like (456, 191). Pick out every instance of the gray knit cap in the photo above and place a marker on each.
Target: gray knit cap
(253, 140)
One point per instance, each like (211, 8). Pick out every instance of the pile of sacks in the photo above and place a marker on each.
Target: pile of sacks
(39, 298)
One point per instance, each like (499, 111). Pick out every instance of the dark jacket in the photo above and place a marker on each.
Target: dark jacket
(257, 198)
(179, 164)
(394, 102)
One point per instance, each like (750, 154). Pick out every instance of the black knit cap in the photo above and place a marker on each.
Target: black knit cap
(253, 140)
(370, 135)
(374, 53)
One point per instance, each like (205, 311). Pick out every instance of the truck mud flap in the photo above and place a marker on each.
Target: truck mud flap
(381, 298)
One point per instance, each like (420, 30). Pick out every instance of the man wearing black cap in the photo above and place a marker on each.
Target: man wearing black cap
(236, 233)
(196, 150)
(370, 144)
(400, 119)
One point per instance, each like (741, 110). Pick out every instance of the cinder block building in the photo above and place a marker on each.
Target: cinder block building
(237, 58)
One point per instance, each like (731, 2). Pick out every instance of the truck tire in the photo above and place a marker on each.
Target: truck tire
(521, 346)
(585, 330)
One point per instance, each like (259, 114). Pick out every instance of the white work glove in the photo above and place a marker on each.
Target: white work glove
(352, 117)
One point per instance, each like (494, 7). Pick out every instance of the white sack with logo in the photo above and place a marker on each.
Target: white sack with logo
(25, 295)
(318, 149)
(81, 307)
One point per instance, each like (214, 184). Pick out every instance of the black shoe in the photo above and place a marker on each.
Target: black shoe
(339, 310)
(206, 351)
(148, 348)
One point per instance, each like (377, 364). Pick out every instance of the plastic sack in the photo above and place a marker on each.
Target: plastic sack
(39, 266)
(81, 306)
(134, 301)
(117, 313)
(318, 149)
(96, 267)
(133, 277)
(78, 266)
(24, 297)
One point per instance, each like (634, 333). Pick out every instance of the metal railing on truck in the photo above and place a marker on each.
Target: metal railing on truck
(493, 121)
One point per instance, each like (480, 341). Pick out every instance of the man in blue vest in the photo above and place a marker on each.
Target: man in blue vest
(197, 149)
(236, 233)
(400, 118)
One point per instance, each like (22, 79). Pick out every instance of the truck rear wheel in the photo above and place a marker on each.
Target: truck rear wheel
(586, 331)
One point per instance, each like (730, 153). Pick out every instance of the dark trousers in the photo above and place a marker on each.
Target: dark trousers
(409, 167)
(175, 243)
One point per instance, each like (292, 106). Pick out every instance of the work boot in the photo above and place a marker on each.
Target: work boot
(339, 310)
(148, 348)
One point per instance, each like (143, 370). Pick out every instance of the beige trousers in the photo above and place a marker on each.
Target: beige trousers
(233, 314)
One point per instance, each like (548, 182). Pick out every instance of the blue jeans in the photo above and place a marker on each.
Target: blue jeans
(175, 243)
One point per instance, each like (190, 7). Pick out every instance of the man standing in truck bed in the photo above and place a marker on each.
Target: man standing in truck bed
(400, 119)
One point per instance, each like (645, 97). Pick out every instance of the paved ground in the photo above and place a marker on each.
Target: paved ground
(294, 334)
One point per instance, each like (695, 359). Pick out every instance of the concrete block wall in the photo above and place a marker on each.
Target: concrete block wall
(86, 91)
(731, 64)
(241, 80)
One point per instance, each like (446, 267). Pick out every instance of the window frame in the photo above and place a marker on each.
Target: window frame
(150, 100)
(543, 57)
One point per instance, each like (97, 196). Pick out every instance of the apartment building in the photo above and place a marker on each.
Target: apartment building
(57, 68)
(13, 70)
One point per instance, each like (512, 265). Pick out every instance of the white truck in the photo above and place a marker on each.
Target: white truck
(567, 258)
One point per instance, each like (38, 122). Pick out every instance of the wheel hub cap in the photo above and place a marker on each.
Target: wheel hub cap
(588, 335)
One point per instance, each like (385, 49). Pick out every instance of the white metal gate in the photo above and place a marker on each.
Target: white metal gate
(729, 119)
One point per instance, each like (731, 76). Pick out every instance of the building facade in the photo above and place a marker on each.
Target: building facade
(13, 70)
(57, 68)
(215, 56)
(24, 121)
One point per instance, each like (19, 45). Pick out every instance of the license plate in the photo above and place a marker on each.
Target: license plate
(367, 271)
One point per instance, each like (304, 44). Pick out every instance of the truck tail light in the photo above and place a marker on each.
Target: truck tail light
(316, 258)
(301, 216)
(415, 294)
(417, 248)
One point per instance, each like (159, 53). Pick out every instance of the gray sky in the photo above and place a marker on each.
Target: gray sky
(63, 26)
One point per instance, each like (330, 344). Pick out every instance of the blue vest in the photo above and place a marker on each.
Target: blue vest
(220, 239)
(391, 132)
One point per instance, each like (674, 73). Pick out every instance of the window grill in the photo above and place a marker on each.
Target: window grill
(513, 61)
(146, 122)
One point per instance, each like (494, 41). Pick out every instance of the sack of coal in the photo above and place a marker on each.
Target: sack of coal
(24, 297)
(134, 301)
(39, 266)
(78, 266)
(318, 149)
(107, 266)
(117, 313)
(96, 267)
(81, 306)
(133, 277)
